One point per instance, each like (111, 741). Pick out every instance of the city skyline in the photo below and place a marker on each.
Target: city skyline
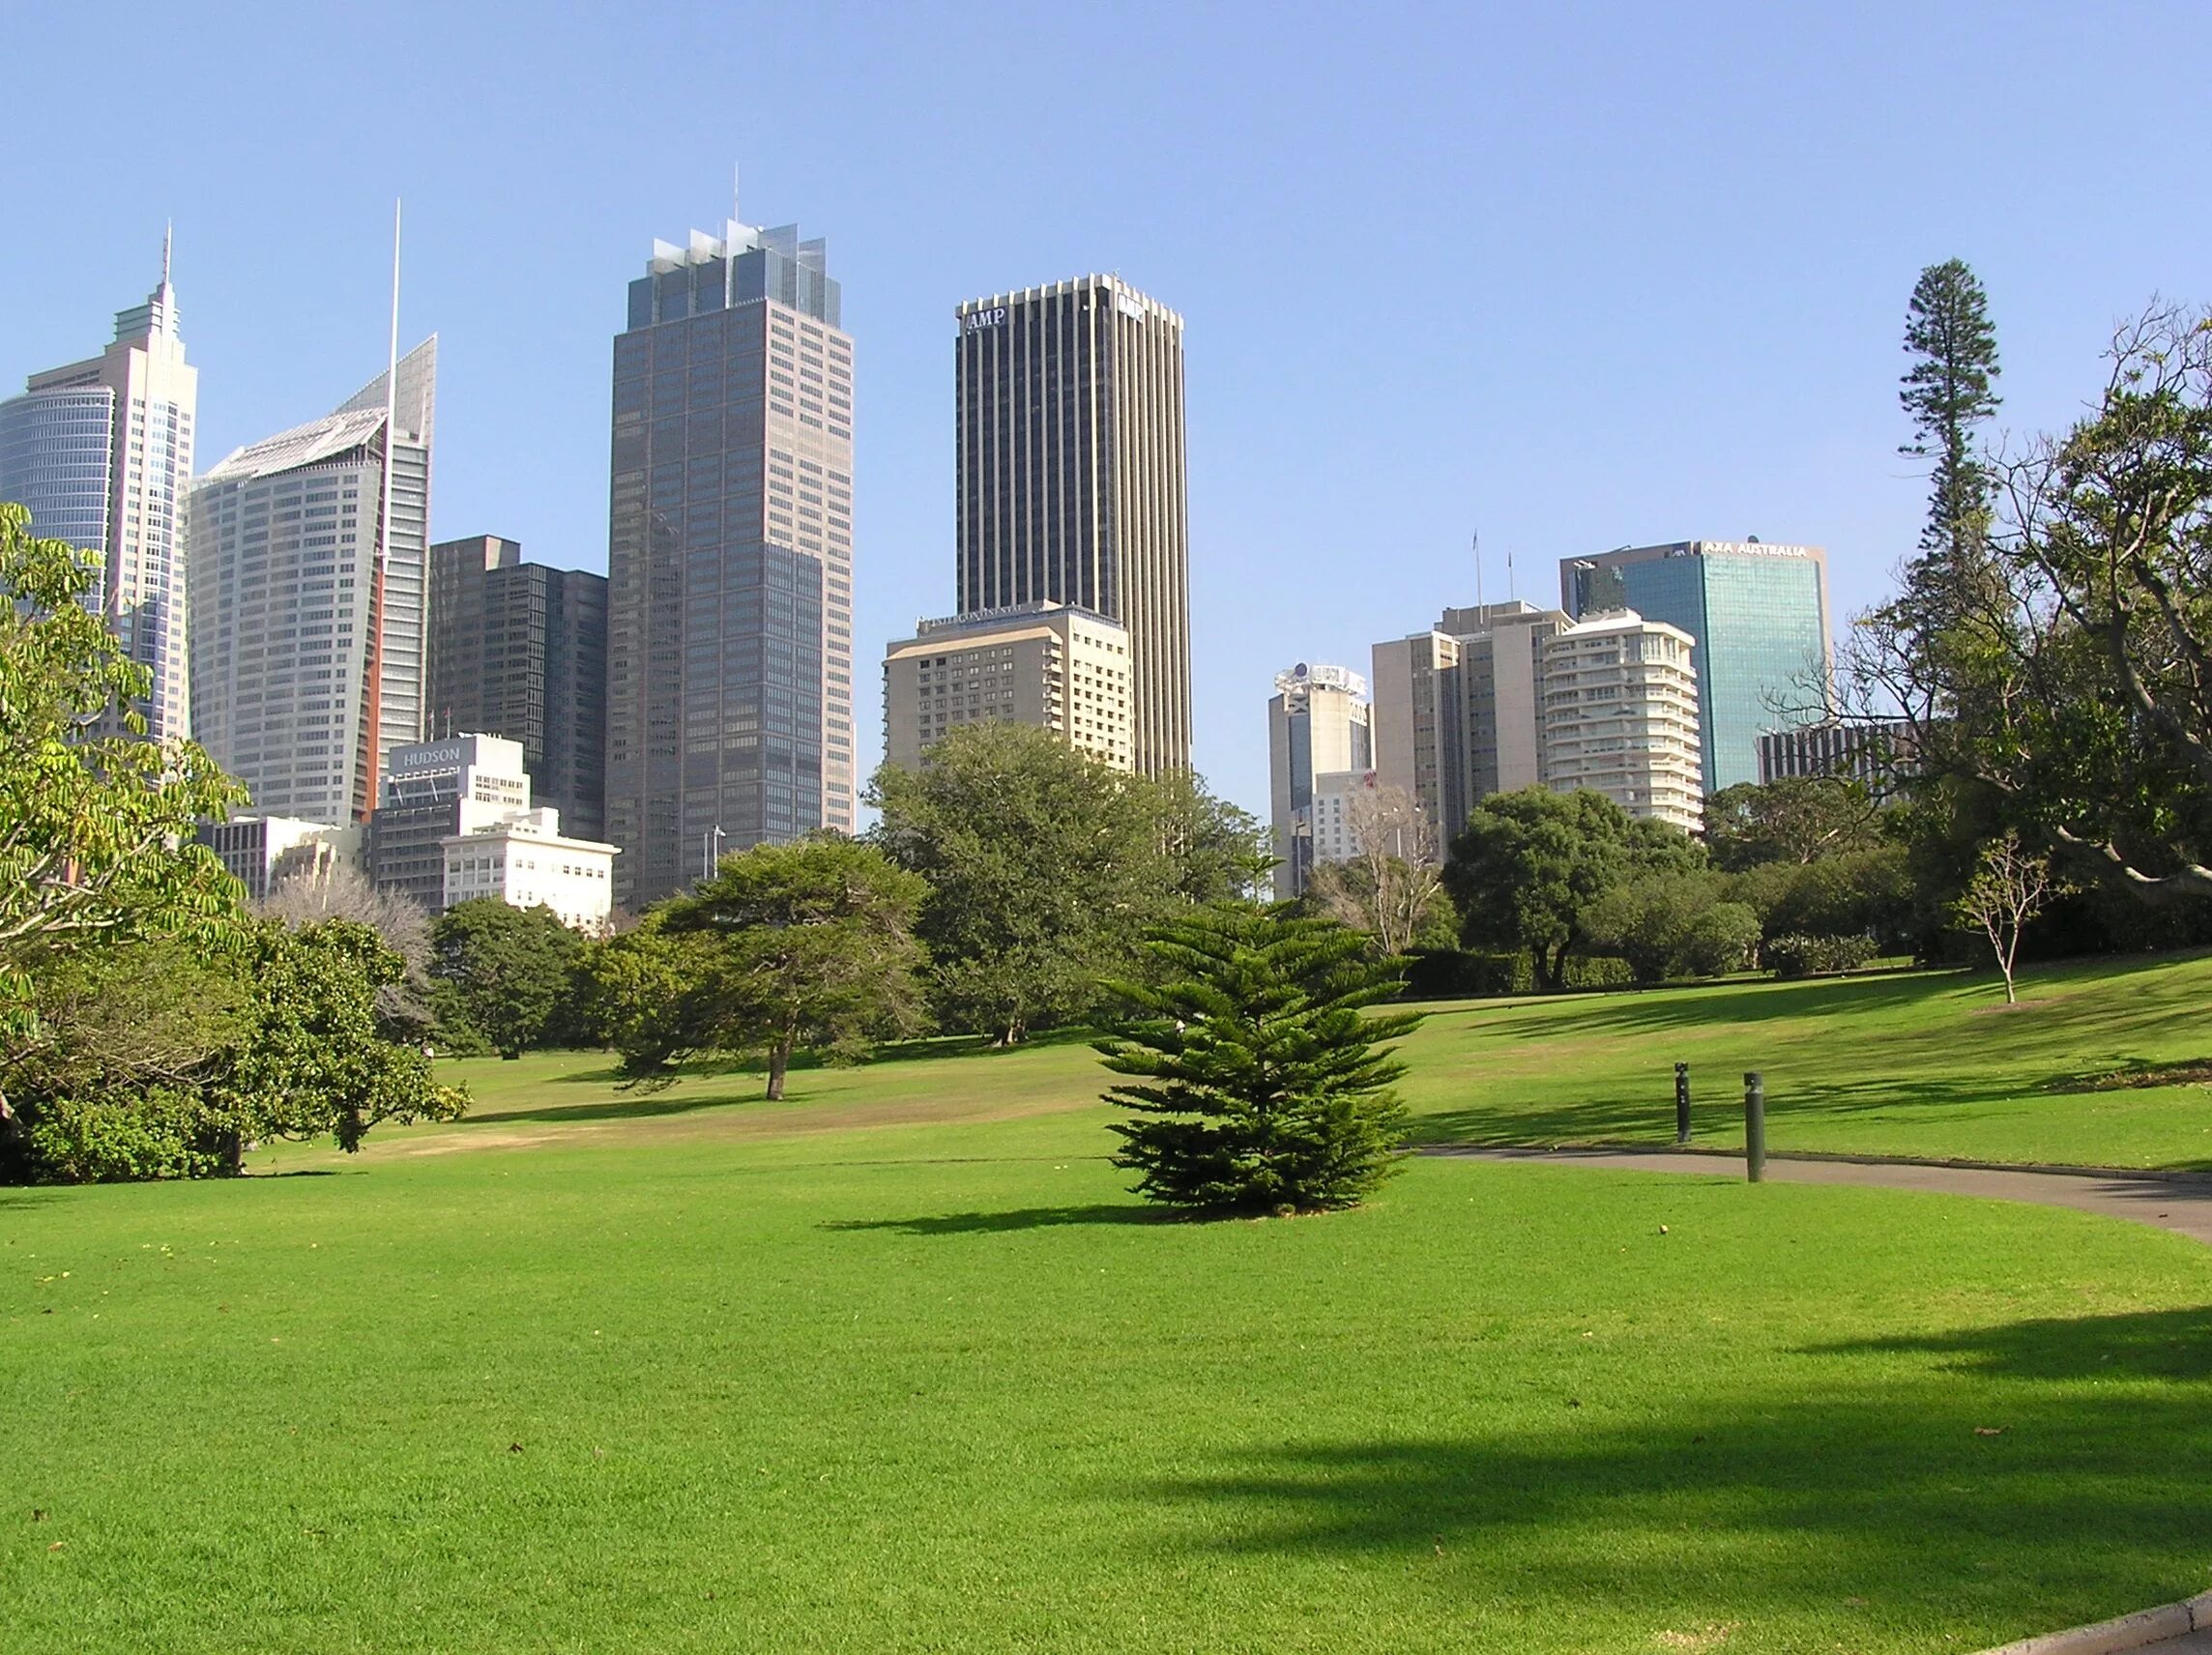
(1633, 293)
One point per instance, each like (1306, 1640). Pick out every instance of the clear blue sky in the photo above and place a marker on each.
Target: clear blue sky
(1576, 274)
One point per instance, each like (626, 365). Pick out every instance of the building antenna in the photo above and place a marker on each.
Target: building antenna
(737, 171)
(1478, 568)
(1512, 589)
(391, 400)
(168, 236)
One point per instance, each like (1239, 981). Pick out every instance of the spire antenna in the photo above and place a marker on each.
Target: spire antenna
(168, 237)
(1478, 568)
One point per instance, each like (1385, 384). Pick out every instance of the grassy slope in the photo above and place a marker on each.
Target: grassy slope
(896, 1365)
(1922, 1064)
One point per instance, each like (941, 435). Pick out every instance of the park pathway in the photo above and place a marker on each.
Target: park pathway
(2183, 1207)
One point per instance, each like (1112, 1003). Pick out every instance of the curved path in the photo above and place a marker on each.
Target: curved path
(2167, 1204)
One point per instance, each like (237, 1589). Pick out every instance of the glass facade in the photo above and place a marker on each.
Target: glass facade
(729, 597)
(56, 457)
(1758, 618)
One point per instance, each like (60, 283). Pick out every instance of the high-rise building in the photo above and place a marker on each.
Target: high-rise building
(520, 650)
(1759, 614)
(1072, 480)
(308, 571)
(730, 557)
(1317, 727)
(102, 453)
(1504, 696)
(263, 852)
(1874, 751)
(1621, 716)
(1061, 669)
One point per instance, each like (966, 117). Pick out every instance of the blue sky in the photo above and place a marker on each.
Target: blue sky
(1575, 276)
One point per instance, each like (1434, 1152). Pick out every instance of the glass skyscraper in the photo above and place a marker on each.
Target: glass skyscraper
(102, 453)
(1758, 618)
(729, 558)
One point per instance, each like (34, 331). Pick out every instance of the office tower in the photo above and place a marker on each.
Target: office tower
(1316, 728)
(520, 650)
(1061, 669)
(102, 453)
(431, 790)
(1621, 716)
(1072, 478)
(527, 861)
(730, 557)
(307, 553)
(1759, 616)
(1415, 726)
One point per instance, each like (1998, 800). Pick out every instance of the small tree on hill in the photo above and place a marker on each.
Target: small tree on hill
(813, 948)
(1261, 1087)
(2007, 891)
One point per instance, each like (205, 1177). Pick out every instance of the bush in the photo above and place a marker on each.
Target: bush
(162, 1132)
(1797, 955)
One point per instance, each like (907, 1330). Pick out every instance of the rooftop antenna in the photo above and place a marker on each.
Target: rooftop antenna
(168, 236)
(1478, 568)
(1512, 590)
(735, 172)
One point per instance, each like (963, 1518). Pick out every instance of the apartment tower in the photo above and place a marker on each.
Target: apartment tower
(1072, 483)
(519, 650)
(729, 558)
(1317, 738)
(102, 453)
(307, 558)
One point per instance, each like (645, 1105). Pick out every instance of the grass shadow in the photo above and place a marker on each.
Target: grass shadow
(641, 1107)
(1019, 1218)
(2139, 1344)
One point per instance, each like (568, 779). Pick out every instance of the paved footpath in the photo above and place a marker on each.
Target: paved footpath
(2183, 1207)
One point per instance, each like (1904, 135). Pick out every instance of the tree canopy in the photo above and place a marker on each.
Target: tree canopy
(503, 973)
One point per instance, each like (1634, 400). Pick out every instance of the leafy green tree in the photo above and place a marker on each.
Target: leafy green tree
(1797, 819)
(95, 826)
(1042, 867)
(1648, 922)
(1215, 851)
(508, 969)
(1260, 1083)
(1529, 865)
(155, 1061)
(813, 950)
(649, 994)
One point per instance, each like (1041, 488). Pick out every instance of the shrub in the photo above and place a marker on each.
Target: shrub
(1797, 955)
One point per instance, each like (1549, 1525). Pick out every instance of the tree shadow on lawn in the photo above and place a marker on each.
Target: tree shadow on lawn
(640, 1106)
(1020, 1218)
(2017, 1506)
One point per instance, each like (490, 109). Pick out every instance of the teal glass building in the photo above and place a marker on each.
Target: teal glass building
(1759, 615)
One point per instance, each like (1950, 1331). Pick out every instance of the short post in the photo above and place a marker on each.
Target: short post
(1681, 1103)
(1755, 1126)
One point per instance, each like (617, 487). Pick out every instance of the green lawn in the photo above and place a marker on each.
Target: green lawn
(1914, 1064)
(897, 1365)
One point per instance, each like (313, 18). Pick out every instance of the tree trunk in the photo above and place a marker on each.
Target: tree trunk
(778, 1060)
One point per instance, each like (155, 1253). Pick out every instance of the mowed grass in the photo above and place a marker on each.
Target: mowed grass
(898, 1365)
(1911, 1063)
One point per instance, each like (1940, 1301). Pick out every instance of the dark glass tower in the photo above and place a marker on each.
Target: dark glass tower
(1072, 481)
(519, 650)
(730, 558)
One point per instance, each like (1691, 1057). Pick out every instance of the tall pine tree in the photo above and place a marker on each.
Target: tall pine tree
(1949, 392)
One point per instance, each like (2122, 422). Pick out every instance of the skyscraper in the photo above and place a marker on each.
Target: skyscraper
(1072, 480)
(307, 598)
(1759, 615)
(519, 650)
(729, 557)
(1316, 728)
(102, 453)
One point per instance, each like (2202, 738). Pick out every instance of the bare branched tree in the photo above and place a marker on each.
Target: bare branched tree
(2008, 890)
(1395, 872)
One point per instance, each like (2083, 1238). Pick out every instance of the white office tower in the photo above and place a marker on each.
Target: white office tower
(101, 453)
(1318, 745)
(526, 861)
(1621, 716)
(309, 563)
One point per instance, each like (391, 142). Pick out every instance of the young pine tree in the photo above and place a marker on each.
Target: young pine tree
(1949, 392)
(1260, 1084)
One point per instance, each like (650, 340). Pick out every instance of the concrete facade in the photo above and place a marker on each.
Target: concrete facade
(1046, 665)
(1621, 716)
(525, 862)
(1072, 480)
(1317, 727)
